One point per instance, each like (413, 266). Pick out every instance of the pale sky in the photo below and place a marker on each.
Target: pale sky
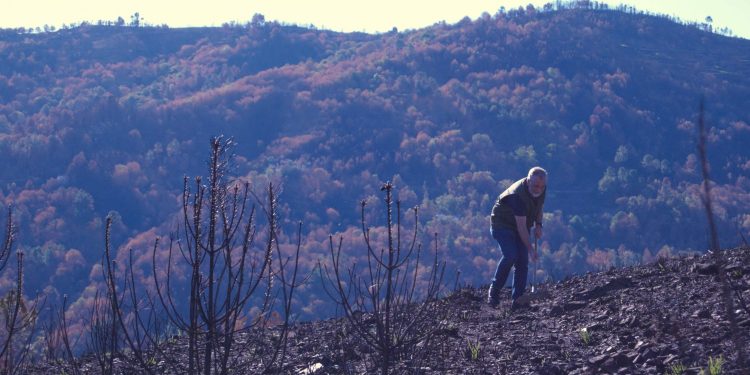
(338, 15)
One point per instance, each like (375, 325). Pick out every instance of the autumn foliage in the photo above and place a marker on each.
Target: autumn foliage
(104, 121)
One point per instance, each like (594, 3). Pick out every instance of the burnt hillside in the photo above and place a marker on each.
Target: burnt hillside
(665, 317)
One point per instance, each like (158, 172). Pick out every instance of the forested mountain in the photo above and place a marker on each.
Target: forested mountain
(98, 120)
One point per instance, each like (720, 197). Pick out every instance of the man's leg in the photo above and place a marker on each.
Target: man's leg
(522, 269)
(504, 238)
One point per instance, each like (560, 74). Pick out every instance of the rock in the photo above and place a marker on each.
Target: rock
(602, 316)
(556, 310)
(670, 358)
(621, 359)
(701, 313)
(611, 285)
(697, 348)
(651, 330)
(609, 364)
(644, 356)
(574, 305)
(550, 370)
(652, 362)
(733, 268)
(598, 360)
(706, 268)
(364, 348)
(312, 369)
(629, 321)
(640, 345)
(450, 331)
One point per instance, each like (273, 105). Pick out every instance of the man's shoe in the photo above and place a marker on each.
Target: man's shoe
(493, 298)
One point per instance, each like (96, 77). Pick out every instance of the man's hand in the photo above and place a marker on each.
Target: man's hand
(538, 231)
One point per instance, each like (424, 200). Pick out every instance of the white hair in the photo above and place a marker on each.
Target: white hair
(537, 172)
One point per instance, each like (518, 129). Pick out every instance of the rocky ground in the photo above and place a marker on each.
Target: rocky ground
(667, 317)
(653, 319)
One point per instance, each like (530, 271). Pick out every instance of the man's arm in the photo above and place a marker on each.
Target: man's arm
(524, 233)
(540, 216)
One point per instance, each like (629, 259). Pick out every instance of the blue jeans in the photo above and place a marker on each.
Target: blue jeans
(514, 254)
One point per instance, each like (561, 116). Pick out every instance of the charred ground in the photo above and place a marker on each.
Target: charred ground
(658, 318)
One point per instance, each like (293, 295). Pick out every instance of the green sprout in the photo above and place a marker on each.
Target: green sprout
(585, 336)
(715, 365)
(474, 349)
(676, 369)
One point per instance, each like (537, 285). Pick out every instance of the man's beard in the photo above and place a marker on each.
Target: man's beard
(536, 195)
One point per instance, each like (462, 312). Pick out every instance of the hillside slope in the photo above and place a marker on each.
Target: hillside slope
(100, 120)
(650, 319)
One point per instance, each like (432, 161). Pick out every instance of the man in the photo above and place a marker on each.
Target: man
(516, 210)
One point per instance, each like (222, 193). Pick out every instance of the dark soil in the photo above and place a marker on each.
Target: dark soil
(667, 317)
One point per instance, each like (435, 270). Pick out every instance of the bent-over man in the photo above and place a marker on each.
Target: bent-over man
(516, 210)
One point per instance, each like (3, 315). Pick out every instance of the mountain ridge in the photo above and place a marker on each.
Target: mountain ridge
(97, 120)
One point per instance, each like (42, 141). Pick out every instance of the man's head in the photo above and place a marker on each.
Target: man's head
(537, 181)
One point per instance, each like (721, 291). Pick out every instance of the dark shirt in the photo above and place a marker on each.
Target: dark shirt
(515, 203)
(516, 200)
